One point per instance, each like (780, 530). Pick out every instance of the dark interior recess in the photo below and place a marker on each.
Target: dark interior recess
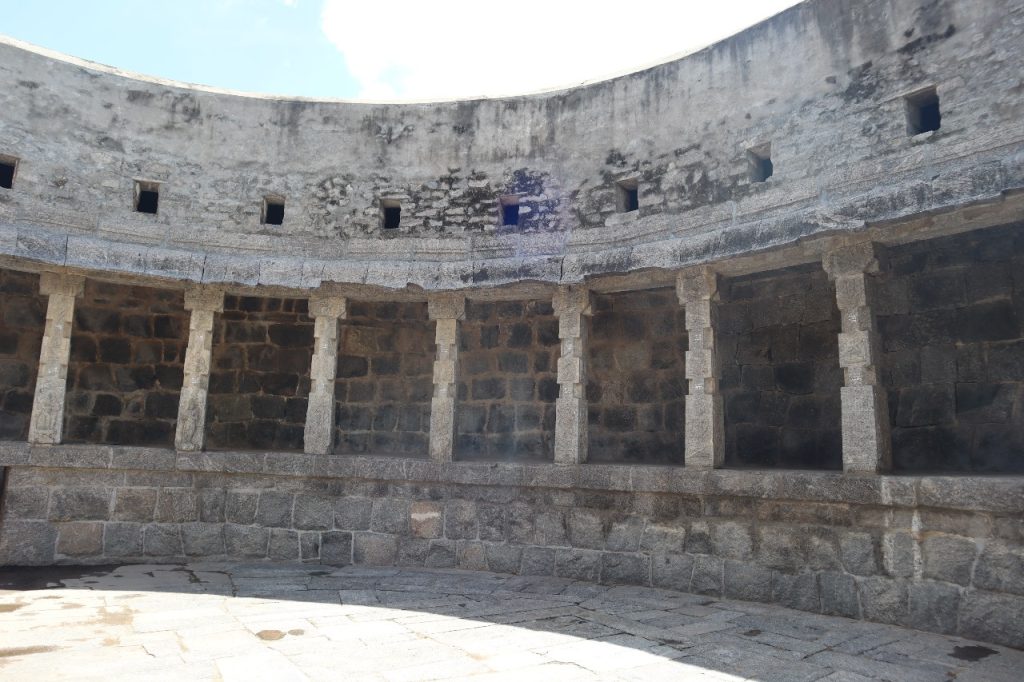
(274, 215)
(148, 201)
(510, 214)
(6, 174)
(392, 217)
(923, 113)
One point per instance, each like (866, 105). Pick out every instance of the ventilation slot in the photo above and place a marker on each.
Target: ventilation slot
(628, 195)
(8, 167)
(391, 213)
(923, 112)
(510, 210)
(759, 160)
(147, 196)
(273, 211)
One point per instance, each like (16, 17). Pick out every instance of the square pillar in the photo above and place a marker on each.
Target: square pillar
(571, 304)
(326, 311)
(446, 310)
(203, 303)
(867, 445)
(47, 423)
(705, 421)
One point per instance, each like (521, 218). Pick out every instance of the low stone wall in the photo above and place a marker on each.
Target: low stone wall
(936, 553)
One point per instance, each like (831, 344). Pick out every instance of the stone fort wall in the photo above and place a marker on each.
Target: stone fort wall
(675, 369)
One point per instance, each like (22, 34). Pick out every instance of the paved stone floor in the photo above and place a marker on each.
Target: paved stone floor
(207, 621)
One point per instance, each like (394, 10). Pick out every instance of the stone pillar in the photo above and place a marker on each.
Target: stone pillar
(705, 422)
(203, 302)
(446, 310)
(327, 310)
(571, 305)
(47, 423)
(867, 446)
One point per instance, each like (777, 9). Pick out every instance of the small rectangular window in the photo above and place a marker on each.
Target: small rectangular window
(628, 195)
(759, 160)
(273, 211)
(923, 112)
(509, 210)
(391, 213)
(8, 168)
(147, 196)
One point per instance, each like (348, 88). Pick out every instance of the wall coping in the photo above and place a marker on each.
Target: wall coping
(994, 494)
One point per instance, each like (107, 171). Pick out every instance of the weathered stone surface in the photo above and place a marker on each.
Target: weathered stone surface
(799, 591)
(374, 549)
(707, 576)
(632, 569)
(353, 513)
(859, 553)
(27, 543)
(313, 512)
(992, 617)
(460, 520)
(26, 502)
(884, 600)
(246, 541)
(79, 504)
(80, 539)
(933, 606)
(390, 516)
(425, 519)
(122, 539)
(284, 545)
(205, 539)
(949, 558)
(163, 540)
(503, 558)
(839, 594)
(747, 581)
(578, 564)
(336, 548)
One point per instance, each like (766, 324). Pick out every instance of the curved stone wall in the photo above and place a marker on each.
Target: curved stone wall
(756, 333)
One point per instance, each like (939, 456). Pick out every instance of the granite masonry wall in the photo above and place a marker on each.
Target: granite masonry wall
(22, 314)
(636, 354)
(125, 372)
(953, 334)
(262, 349)
(385, 379)
(939, 554)
(507, 381)
(780, 370)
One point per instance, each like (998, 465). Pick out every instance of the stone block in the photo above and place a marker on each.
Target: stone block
(176, 505)
(858, 552)
(122, 539)
(441, 554)
(933, 606)
(503, 558)
(471, 555)
(336, 548)
(663, 539)
(203, 539)
(79, 504)
(898, 549)
(838, 594)
(586, 529)
(309, 546)
(274, 509)
(211, 505)
(460, 520)
(26, 502)
(284, 545)
(246, 542)
(796, 591)
(732, 540)
(779, 547)
(240, 507)
(747, 581)
(159, 539)
(492, 522)
(625, 569)
(698, 538)
(707, 575)
(672, 571)
(948, 558)
(313, 512)
(412, 551)
(425, 519)
(992, 617)
(80, 539)
(578, 564)
(884, 600)
(624, 535)
(374, 549)
(1000, 568)
(27, 543)
(537, 561)
(353, 513)
(390, 515)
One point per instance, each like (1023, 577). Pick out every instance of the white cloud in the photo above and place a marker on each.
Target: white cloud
(418, 49)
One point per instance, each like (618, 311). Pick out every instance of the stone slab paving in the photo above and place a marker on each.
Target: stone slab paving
(230, 621)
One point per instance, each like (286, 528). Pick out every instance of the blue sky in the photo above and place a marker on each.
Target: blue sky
(359, 49)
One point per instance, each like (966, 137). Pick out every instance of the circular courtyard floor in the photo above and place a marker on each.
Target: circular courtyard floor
(225, 621)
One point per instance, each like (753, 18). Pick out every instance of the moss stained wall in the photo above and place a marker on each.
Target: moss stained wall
(385, 379)
(22, 318)
(262, 349)
(125, 372)
(780, 370)
(636, 386)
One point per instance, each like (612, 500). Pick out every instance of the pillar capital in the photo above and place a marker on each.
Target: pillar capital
(203, 297)
(854, 259)
(326, 304)
(697, 284)
(61, 284)
(572, 300)
(446, 306)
